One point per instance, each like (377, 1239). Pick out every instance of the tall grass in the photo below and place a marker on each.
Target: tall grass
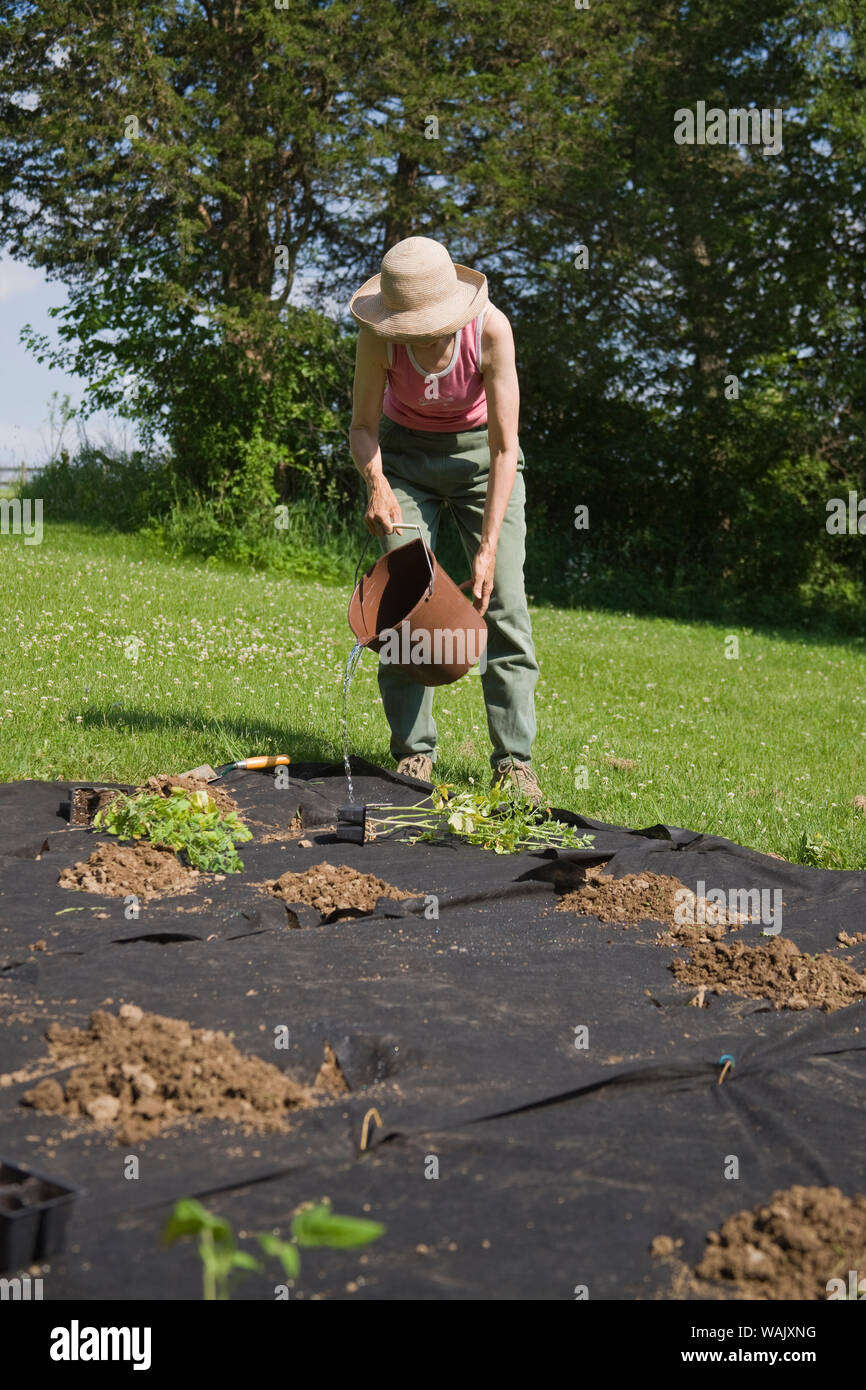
(105, 489)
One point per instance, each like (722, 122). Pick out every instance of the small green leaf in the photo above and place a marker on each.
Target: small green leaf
(189, 1218)
(319, 1226)
(286, 1252)
(242, 1260)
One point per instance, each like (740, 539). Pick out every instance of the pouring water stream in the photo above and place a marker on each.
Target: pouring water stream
(351, 667)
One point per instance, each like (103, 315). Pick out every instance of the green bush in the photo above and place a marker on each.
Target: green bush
(243, 522)
(308, 538)
(103, 488)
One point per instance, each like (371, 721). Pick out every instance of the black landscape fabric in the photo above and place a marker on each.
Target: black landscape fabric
(557, 1163)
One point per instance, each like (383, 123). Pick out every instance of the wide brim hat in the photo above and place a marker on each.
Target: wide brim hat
(419, 293)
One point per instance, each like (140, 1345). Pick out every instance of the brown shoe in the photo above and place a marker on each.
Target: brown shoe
(521, 776)
(418, 766)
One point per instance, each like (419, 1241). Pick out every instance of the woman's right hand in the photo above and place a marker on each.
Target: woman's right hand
(383, 515)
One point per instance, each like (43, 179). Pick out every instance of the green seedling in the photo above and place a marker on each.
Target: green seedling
(187, 822)
(220, 1257)
(499, 819)
(314, 1225)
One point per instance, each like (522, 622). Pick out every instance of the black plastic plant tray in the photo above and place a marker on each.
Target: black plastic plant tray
(34, 1214)
(81, 805)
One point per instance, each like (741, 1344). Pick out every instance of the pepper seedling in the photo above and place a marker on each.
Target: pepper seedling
(313, 1225)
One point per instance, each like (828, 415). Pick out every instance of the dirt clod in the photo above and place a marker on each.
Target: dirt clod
(47, 1096)
(778, 972)
(791, 1247)
(139, 1073)
(335, 887)
(650, 897)
(330, 1074)
(116, 870)
(664, 1246)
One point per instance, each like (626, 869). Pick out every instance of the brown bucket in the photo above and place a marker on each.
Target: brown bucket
(410, 611)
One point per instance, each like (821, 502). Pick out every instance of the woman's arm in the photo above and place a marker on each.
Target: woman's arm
(383, 515)
(499, 369)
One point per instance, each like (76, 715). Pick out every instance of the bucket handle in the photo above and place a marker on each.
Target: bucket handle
(405, 526)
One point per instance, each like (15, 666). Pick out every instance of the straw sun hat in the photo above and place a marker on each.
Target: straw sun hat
(419, 293)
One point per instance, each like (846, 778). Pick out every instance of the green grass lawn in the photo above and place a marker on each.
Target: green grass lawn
(118, 662)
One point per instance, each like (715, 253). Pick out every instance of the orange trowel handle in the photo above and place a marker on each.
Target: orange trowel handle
(278, 760)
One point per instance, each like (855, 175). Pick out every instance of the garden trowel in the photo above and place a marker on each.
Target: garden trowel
(206, 773)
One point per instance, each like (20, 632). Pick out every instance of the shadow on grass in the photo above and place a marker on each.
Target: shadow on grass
(219, 740)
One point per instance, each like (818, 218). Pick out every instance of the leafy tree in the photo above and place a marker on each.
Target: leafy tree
(170, 164)
(283, 150)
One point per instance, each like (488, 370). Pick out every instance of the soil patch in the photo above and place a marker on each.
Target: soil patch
(116, 870)
(165, 781)
(777, 971)
(789, 1248)
(335, 888)
(645, 897)
(138, 1073)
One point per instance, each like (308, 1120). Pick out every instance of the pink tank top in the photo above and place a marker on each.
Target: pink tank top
(450, 400)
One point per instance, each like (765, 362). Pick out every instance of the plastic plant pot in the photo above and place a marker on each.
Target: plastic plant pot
(351, 825)
(349, 834)
(34, 1214)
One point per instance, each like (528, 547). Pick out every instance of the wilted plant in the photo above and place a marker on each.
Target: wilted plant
(500, 819)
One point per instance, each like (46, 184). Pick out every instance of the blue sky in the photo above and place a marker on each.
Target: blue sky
(25, 385)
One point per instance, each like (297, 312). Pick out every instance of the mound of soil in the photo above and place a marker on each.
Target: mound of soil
(789, 1248)
(335, 888)
(646, 897)
(139, 1073)
(777, 971)
(164, 782)
(116, 870)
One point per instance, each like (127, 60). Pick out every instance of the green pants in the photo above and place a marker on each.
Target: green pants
(429, 471)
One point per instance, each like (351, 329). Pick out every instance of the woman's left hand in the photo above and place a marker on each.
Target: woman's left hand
(481, 583)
